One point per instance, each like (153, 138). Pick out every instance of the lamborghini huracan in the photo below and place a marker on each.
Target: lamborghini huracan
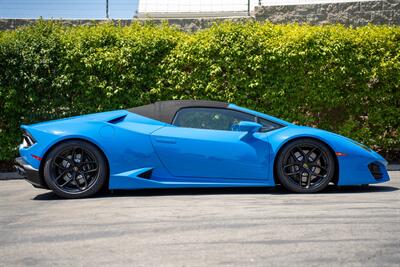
(187, 144)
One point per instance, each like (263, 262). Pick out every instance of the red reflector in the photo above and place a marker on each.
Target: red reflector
(36, 157)
(339, 154)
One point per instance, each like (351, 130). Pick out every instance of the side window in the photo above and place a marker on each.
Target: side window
(210, 118)
(267, 125)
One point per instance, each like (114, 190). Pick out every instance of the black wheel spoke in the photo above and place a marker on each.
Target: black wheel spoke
(291, 164)
(59, 166)
(301, 152)
(67, 181)
(307, 156)
(85, 180)
(76, 183)
(89, 171)
(319, 167)
(317, 174)
(82, 155)
(318, 157)
(74, 156)
(294, 156)
(88, 162)
(65, 158)
(308, 181)
(292, 173)
(61, 175)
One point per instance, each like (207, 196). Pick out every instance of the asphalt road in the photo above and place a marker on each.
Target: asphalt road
(226, 227)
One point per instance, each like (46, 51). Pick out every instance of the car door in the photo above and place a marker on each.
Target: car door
(201, 143)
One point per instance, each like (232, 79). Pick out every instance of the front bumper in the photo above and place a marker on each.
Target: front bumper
(359, 169)
(29, 173)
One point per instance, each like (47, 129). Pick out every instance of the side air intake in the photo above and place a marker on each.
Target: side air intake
(375, 170)
(117, 119)
(146, 174)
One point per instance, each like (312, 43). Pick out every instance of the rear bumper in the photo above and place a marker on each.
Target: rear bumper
(29, 173)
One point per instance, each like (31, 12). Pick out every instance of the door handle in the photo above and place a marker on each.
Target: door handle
(165, 140)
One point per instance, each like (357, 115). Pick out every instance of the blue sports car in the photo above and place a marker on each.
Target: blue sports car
(189, 143)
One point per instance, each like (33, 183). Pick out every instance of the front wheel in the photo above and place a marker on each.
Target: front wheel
(305, 166)
(75, 169)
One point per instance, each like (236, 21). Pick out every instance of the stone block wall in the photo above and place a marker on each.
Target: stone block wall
(348, 13)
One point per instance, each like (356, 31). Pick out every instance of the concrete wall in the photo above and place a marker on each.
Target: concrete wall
(351, 13)
(187, 6)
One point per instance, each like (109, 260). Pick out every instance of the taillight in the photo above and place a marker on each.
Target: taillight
(27, 139)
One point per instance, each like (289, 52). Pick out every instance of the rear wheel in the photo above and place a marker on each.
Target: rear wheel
(305, 166)
(75, 169)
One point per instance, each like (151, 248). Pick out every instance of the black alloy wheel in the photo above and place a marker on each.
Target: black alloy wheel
(305, 166)
(75, 169)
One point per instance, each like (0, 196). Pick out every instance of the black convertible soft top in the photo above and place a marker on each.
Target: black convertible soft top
(165, 110)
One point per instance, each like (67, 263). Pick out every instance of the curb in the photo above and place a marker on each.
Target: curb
(16, 176)
(10, 176)
(394, 167)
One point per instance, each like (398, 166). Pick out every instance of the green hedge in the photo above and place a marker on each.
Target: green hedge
(341, 79)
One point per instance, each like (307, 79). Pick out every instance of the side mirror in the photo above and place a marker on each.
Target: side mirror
(249, 126)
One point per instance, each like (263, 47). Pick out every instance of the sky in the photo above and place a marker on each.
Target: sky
(124, 9)
(67, 9)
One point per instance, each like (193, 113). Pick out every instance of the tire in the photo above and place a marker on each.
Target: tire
(305, 166)
(75, 169)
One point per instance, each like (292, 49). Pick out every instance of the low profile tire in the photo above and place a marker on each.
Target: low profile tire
(305, 166)
(75, 169)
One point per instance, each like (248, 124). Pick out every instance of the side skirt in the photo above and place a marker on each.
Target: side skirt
(133, 180)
